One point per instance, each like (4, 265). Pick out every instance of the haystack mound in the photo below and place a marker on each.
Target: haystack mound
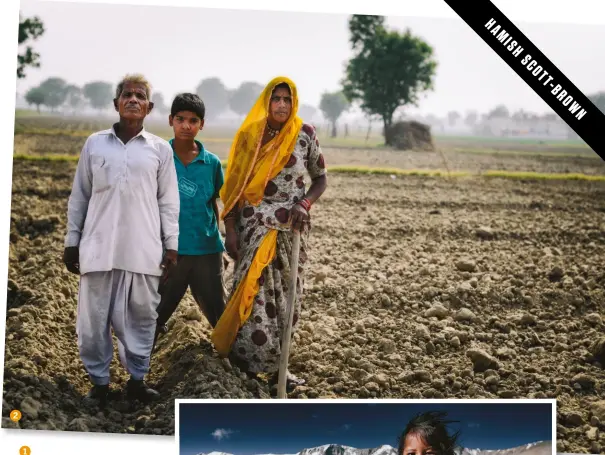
(411, 136)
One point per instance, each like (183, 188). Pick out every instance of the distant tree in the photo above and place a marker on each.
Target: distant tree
(471, 118)
(333, 105)
(215, 96)
(35, 97)
(369, 119)
(307, 112)
(29, 29)
(433, 120)
(75, 97)
(242, 99)
(389, 69)
(99, 94)
(159, 105)
(598, 99)
(55, 92)
(520, 116)
(453, 117)
(499, 111)
(363, 30)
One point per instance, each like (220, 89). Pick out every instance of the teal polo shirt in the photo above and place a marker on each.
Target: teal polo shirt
(199, 185)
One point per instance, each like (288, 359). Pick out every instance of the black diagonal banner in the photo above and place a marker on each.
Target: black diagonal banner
(535, 69)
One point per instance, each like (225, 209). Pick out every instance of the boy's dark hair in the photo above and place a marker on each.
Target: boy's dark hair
(432, 428)
(188, 102)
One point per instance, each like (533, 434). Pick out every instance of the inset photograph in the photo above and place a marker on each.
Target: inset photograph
(365, 427)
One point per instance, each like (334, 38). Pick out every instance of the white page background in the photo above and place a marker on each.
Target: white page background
(54, 442)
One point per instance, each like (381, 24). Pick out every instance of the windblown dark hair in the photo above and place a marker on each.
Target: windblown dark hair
(431, 427)
(188, 102)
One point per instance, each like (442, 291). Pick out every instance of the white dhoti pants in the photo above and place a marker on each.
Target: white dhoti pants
(127, 303)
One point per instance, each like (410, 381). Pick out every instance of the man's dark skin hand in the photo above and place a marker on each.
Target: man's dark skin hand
(71, 259)
(168, 263)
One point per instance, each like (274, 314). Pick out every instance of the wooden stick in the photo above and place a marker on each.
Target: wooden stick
(285, 344)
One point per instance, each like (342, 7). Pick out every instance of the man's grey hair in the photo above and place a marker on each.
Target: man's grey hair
(135, 79)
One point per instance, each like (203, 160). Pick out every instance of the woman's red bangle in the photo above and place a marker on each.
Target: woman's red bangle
(305, 203)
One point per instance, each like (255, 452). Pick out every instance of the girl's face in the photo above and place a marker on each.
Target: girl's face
(415, 445)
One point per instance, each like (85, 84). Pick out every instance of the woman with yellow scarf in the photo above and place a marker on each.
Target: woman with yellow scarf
(264, 196)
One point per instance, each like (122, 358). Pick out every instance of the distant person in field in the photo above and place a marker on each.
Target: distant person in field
(122, 239)
(427, 434)
(200, 175)
(273, 158)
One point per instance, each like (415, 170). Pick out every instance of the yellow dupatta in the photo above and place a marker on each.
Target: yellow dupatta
(249, 169)
(251, 166)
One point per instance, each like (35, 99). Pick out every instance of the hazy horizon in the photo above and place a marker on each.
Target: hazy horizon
(238, 46)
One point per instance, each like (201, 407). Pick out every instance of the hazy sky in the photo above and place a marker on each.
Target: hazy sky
(263, 428)
(176, 47)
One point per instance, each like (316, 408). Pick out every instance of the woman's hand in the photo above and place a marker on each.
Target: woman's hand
(298, 216)
(232, 244)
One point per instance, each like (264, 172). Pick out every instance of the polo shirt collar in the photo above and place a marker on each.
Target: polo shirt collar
(200, 156)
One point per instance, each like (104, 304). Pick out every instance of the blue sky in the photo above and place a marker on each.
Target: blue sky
(286, 428)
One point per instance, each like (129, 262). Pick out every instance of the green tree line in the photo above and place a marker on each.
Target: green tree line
(57, 94)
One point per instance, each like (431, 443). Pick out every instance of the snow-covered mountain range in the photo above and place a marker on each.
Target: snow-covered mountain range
(536, 448)
(335, 449)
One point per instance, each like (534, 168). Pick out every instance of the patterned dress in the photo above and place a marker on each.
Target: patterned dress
(257, 346)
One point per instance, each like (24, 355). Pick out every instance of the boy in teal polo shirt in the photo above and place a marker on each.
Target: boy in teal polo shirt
(200, 254)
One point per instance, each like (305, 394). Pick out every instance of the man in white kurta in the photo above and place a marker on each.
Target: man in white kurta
(122, 217)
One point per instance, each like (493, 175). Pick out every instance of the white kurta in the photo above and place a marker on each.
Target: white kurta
(124, 205)
(122, 213)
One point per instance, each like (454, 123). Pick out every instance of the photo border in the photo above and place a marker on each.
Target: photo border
(402, 401)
